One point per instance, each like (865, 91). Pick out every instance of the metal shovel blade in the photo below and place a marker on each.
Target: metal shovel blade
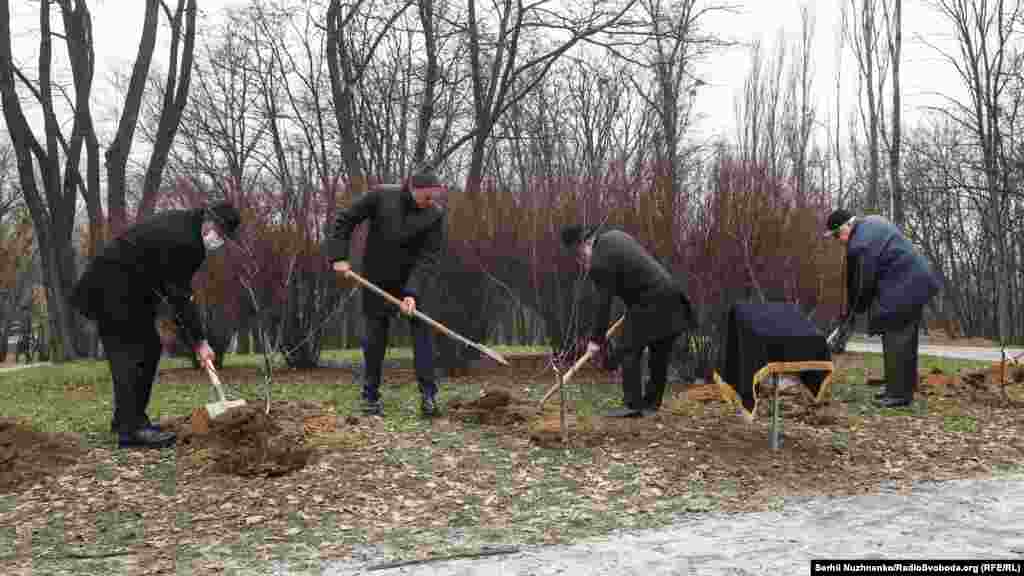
(214, 409)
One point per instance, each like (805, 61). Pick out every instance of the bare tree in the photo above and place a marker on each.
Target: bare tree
(294, 92)
(78, 37)
(223, 129)
(175, 96)
(835, 136)
(347, 61)
(51, 202)
(120, 147)
(800, 112)
(503, 69)
(864, 35)
(894, 38)
(986, 33)
(176, 82)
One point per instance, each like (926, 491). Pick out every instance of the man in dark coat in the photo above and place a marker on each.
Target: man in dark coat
(892, 282)
(149, 266)
(658, 311)
(403, 246)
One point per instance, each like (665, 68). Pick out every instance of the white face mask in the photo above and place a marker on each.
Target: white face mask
(212, 241)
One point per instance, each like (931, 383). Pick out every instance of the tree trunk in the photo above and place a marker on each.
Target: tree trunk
(120, 147)
(895, 145)
(175, 99)
(872, 199)
(342, 80)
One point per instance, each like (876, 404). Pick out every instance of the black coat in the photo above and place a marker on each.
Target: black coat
(150, 263)
(402, 248)
(887, 277)
(656, 305)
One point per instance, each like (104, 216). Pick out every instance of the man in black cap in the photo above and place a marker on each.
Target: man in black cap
(404, 243)
(892, 282)
(149, 266)
(658, 311)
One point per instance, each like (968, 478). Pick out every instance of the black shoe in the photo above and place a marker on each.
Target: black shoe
(883, 393)
(624, 412)
(427, 407)
(891, 402)
(373, 408)
(649, 411)
(146, 438)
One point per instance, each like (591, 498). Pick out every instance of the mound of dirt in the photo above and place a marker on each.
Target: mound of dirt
(246, 441)
(994, 385)
(497, 407)
(27, 455)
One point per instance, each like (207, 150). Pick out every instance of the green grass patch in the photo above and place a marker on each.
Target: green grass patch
(48, 541)
(1012, 470)
(77, 396)
(8, 542)
(164, 472)
(960, 424)
(851, 387)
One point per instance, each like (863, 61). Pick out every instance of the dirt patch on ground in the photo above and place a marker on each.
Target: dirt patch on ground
(496, 407)
(27, 456)
(999, 385)
(247, 441)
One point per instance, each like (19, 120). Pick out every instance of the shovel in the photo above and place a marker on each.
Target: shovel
(214, 409)
(430, 321)
(579, 363)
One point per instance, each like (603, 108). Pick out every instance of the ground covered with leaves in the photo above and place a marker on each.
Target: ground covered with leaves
(308, 481)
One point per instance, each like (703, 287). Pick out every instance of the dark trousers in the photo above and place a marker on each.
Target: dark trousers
(133, 353)
(375, 345)
(899, 347)
(633, 394)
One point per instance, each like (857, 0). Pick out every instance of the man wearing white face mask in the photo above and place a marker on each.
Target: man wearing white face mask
(150, 264)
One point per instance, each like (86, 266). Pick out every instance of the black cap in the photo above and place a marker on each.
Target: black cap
(836, 220)
(424, 176)
(576, 233)
(227, 216)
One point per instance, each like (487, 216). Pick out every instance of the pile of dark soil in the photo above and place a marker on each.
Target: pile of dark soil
(246, 441)
(28, 456)
(498, 407)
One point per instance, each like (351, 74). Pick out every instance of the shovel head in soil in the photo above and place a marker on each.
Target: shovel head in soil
(214, 409)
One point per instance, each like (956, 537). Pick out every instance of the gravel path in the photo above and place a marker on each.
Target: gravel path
(959, 352)
(981, 519)
(22, 367)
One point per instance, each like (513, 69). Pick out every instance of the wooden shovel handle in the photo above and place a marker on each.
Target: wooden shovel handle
(215, 380)
(430, 321)
(579, 363)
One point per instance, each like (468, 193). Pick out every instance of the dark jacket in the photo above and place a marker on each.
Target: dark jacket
(402, 248)
(151, 263)
(656, 305)
(887, 278)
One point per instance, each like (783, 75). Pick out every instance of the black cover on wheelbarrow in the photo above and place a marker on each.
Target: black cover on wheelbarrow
(759, 334)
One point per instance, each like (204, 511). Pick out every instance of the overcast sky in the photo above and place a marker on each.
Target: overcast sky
(117, 27)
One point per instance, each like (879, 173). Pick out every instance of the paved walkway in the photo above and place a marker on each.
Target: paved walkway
(979, 519)
(945, 351)
(22, 367)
